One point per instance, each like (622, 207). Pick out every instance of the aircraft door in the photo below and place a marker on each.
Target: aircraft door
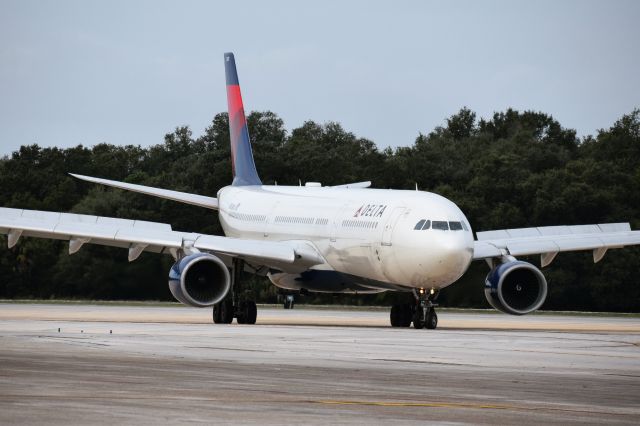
(269, 221)
(335, 222)
(387, 232)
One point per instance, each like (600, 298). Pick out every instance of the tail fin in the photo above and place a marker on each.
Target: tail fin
(244, 169)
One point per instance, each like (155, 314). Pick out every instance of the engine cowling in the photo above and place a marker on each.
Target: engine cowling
(515, 288)
(199, 280)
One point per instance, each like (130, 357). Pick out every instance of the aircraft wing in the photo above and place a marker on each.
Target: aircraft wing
(548, 241)
(138, 236)
(182, 197)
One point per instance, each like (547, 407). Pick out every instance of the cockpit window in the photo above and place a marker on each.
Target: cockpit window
(464, 226)
(422, 225)
(455, 226)
(440, 224)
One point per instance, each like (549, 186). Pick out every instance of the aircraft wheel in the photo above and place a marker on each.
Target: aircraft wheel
(248, 312)
(251, 312)
(226, 311)
(395, 315)
(406, 315)
(418, 318)
(432, 319)
(240, 318)
(217, 314)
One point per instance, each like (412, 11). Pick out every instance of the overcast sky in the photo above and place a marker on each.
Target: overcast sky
(127, 72)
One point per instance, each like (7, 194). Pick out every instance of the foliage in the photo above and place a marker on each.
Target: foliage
(516, 169)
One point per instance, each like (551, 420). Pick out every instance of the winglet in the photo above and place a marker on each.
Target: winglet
(243, 166)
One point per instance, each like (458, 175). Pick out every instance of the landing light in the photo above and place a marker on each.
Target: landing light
(421, 291)
(432, 291)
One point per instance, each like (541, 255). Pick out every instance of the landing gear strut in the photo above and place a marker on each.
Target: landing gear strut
(422, 312)
(289, 300)
(239, 303)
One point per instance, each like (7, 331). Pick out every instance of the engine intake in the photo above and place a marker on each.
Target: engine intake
(199, 280)
(515, 288)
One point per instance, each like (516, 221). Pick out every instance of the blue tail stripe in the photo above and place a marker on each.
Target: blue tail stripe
(230, 69)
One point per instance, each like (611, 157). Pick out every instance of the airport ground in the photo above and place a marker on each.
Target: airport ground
(106, 364)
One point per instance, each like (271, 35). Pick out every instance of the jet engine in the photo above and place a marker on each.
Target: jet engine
(199, 280)
(515, 288)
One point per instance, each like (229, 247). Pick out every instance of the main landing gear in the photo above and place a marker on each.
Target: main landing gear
(289, 300)
(422, 312)
(239, 303)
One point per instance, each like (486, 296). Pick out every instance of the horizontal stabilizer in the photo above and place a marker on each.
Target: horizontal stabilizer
(182, 197)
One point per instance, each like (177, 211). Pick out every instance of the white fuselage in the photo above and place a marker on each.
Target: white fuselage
(362, 233)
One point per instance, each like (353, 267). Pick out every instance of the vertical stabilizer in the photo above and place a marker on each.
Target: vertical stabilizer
(244, 169)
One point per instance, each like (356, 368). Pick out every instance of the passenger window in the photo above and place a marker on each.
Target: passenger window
(426, 225)
(419, 225)
(455, 226)
(440, 224)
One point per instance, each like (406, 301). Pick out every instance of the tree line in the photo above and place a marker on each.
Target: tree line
(516, 169)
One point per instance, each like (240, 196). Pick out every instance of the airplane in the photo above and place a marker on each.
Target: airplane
(334, 239)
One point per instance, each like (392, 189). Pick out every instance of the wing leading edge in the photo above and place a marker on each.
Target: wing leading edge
(139, 236)
(183, 197)
(548, 241)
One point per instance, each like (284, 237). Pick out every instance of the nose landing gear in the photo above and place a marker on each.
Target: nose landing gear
(425, 313)
(421, 313)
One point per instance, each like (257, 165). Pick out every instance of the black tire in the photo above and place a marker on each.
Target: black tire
(406, 315)
(248, 313)
(418, 319)
(251, 312)
(286, 304)
(432, 319)
(226, 311)
(394, 316)
(241, 317)
(217, 314)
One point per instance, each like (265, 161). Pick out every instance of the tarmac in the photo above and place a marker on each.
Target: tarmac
(96, 364)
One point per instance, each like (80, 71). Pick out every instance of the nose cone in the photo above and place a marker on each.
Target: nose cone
(449, 258)
(455, 253)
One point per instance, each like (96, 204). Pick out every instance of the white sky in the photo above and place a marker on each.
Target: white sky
(127, 72)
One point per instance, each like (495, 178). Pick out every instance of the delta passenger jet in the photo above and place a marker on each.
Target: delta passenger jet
(341, 239)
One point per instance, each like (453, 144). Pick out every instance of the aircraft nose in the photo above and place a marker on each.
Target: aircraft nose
(452, 248)
(453, 255)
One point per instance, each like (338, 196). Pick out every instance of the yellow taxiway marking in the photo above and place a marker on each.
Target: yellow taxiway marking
(472, 405)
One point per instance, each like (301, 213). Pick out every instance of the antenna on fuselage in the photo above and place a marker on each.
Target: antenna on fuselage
(416, 186)
(299, 182)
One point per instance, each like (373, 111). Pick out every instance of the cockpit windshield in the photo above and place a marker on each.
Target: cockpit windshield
(440, 225)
